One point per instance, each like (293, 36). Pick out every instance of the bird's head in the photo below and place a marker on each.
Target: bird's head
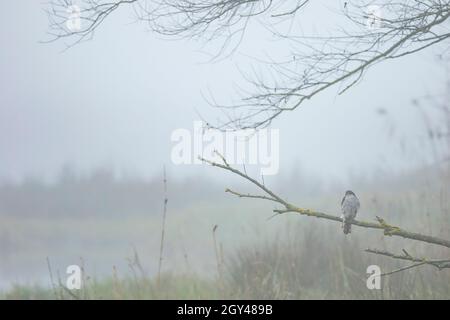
(349, 193)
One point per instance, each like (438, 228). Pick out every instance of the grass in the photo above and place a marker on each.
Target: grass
(175, 287)
(294, 265)
(246, 256)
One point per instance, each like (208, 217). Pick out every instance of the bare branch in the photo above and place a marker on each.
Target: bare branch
(241, 195)
(90, 15)
(381, 224)
(313, 64)
(438, 263)
(415, 265)
(319, 63)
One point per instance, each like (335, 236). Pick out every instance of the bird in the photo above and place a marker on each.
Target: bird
(349, 207)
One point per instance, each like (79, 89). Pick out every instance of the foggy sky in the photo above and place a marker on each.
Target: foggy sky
(115, 101)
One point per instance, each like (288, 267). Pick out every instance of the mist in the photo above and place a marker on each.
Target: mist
(86, 137)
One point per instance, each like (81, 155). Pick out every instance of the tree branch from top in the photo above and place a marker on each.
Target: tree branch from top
(313, 63)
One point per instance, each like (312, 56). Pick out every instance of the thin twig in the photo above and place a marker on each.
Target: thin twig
(438, 263)
(218, 259)
(403, 269)
(51, 278)
(161, 248)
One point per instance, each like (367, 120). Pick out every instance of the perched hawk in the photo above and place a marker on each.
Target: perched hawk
(349, 207)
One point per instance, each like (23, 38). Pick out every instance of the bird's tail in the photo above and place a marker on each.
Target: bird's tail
(347, 227)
